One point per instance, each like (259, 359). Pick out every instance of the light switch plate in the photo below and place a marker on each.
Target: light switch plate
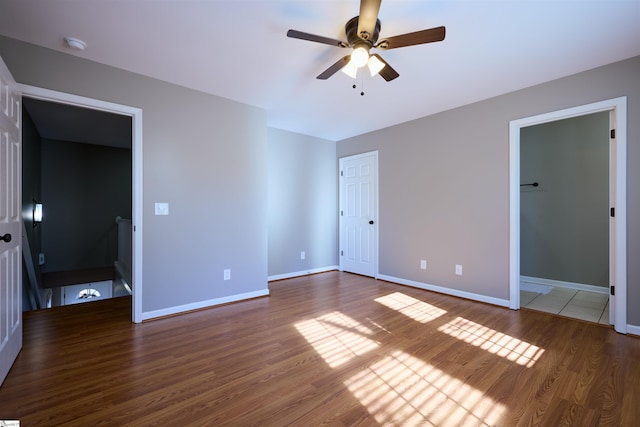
(162, 208)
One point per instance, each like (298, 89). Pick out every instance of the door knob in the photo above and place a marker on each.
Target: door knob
(6, 238)
(371, 222)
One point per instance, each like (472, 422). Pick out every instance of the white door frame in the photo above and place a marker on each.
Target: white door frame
(618, 195)
(375, 207)
(136, 154)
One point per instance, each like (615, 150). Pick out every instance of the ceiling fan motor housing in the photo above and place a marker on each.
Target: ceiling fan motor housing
(351, 30)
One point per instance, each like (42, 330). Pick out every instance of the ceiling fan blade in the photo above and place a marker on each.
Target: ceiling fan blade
(368, 17)
(314, 38)
(410, 39)
(387, 72)
(334, 68)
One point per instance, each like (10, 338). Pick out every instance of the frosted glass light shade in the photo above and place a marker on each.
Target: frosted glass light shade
(359, 57)
(375, 65)
(350, 70)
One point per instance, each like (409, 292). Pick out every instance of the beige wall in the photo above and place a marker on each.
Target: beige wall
(444, 183)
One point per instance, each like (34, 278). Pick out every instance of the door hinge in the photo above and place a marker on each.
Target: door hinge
(341, 213)
(613, 290)
(613, 134)
(613, 212)
(341, 253)
(341, 173)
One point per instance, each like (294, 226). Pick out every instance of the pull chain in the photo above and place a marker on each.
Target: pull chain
(361, 84)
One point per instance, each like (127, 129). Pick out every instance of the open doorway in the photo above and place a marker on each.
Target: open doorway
(615, 111)
(564, 217)
(77, 169)
(96, 153)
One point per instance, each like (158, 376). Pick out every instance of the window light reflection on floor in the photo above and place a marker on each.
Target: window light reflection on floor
(337, 337)
(403, 390)
(418, 310)
(493, 341)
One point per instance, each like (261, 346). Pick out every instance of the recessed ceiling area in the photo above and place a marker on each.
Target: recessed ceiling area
(63, 122)
(238, 49)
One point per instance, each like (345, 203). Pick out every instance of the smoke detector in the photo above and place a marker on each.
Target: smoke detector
(75, 44)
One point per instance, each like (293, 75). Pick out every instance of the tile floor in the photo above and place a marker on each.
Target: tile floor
(584, 305)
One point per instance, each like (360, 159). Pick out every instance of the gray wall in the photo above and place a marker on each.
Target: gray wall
(302, 179)
(204, 155)
(564, 222)
(444, 183)
(84, 188)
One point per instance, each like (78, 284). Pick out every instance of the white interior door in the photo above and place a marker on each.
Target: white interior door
(10, 222)
(359, 214)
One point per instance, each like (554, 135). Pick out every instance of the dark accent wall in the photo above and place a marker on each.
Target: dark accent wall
(31, 190)
(84, 188)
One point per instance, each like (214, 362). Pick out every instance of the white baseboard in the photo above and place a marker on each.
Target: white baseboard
(203, 304)
(561, 284)
(446, 291)
(634, 330)
(302, 273)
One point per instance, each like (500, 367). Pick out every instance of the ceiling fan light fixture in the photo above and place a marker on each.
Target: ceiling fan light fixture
(350, 70)
(359, 57)
(375, 65)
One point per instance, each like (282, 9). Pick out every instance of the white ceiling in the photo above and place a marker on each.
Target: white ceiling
(238, 49)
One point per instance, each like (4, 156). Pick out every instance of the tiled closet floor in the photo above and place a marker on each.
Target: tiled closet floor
(583, 305)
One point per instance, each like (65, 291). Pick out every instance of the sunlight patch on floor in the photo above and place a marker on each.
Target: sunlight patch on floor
(418, 310)
(493, 341)
(403, 390)
(337, 337)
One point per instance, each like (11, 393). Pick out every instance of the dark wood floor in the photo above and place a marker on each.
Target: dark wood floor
(327, 349)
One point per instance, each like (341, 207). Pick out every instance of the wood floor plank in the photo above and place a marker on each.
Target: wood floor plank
(331, 349)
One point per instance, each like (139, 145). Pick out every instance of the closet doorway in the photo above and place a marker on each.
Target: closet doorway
(616, 281)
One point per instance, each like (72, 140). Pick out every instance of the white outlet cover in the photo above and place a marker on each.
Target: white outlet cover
(423, 264)
(302, 255)
(227, 274)
(459, 269)
(162, 208)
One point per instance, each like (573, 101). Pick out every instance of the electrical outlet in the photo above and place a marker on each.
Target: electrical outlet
(459, 269)
(227, 274)
(40, 258)
(423, 264)
(302, 255)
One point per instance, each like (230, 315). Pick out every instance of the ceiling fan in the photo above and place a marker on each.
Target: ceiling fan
(362, 35)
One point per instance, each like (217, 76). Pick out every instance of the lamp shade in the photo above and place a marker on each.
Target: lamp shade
(375, 65)
(359, 57)
(37, 213)
(350, 70)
